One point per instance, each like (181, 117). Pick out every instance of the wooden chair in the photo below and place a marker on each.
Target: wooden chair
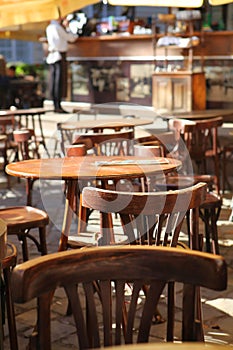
(198, 141)
(201, 140)
(69, 131)
(174, 145)
(110, 144)
(66, 134)
(78, 271)
(147, 217)
(27, 143)
(8, 148)
(21, 220)
(27, 148)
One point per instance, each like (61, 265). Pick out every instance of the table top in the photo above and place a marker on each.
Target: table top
(89, 167)
(23, 112)
(109, 123)
(226, 114)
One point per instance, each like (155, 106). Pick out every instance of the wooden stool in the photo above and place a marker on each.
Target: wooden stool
(24, 140)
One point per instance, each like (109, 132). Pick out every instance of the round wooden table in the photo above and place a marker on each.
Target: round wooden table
(226, 114)
(101, 168)
(109, 123)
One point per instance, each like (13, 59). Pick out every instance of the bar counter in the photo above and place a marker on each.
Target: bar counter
(119, 68)
(216, 44)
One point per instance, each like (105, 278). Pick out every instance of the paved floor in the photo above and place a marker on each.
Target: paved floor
(217, 306)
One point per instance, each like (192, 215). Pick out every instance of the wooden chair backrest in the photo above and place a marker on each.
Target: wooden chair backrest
(199, 136)
(22, 137)
(165, 139)
(7, 125)
(76, 150)
(81, 272)
(201, 140)
(142, 150)
(147, 217)
(116, 143)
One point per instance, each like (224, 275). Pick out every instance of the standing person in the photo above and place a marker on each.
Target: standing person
(58, 38)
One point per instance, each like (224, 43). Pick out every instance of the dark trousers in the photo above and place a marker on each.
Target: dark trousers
(58, 81)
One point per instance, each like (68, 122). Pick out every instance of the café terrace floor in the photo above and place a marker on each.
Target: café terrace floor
(217, 306)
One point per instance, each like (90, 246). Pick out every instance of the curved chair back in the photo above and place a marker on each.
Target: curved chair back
(201, 140)
(147, 217)
(108, 270)
(116, 143)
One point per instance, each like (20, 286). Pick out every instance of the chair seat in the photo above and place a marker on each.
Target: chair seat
(93, 239)
(20, 220)
(212, 199)
(23, 217)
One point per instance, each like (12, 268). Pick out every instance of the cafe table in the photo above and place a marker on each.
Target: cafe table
(88, 168)
(108, 123)
(226, 114)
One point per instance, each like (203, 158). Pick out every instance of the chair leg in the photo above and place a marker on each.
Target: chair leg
(210, 217)
(23, 240)
(10, 310)
(29, 185)
(43, 245)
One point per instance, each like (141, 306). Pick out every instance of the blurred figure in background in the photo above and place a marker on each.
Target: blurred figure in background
(11, 72)
(58, 38)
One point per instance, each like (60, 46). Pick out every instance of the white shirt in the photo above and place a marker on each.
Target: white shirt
(58, 38)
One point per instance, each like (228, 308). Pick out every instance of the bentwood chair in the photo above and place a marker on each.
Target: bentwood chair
(174, 146)
(109, 144)
(197, 142)
(22, 220)
(27, 148)
(201, 140)
(110, 268)
(8, 148)
(147, 217)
